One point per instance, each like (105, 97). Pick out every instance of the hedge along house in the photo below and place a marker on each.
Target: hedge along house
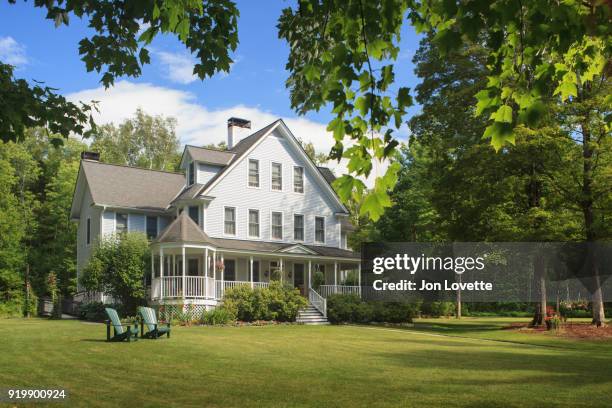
(261, 209)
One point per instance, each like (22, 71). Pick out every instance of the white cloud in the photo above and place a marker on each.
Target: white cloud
(11, 52)
(178, 67)
(196, 124)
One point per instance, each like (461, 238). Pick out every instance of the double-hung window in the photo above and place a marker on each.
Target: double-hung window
(298, 179)
(88, 231)
(121, 223)
(191, 173)
(298, 227)
(320, 229)
(254, 223)
(230, 221)
(277, 177)
(277, 225)
(253, 173)
(151, 227)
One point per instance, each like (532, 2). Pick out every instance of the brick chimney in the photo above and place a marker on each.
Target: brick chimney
(235, 127)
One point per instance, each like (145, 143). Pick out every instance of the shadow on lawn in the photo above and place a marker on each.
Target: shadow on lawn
(547, 367)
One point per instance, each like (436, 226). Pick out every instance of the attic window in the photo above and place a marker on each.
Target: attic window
(191, 173)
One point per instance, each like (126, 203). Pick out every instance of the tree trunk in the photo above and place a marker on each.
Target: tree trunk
(540, 278)
(587, 211)
(458, 310)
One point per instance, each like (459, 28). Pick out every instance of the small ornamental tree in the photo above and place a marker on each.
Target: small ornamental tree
(117, 267)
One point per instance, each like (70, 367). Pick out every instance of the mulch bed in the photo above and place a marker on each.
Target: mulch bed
(573, 330)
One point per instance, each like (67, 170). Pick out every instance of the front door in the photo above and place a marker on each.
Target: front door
(298, 278)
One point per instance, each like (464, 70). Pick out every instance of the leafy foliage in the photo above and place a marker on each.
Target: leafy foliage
(275, 302)
(143, 141)
(351, 309)
(117, 266)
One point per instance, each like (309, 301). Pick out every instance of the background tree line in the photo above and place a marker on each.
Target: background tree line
(37, 181)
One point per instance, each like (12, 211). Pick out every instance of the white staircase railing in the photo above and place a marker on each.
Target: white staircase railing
(317, 301)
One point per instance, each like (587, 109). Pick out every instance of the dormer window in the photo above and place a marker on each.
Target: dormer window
(191, 174)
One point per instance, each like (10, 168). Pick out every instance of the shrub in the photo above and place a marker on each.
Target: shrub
(219, 315)
(351, 309)
(438, 309)
(318, 279)
(352, 279)
(117, 267)
(276, 302)
(93, 311)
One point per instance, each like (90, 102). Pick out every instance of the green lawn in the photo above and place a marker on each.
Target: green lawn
(309, 366)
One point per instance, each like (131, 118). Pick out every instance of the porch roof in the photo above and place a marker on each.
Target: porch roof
(184, 230)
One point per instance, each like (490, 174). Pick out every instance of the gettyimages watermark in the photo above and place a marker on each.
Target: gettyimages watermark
(485, 272)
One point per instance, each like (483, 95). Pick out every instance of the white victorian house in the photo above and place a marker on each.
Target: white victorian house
(236, 216)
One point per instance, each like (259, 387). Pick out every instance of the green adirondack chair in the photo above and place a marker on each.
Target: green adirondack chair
(121, 331)
(149, 319)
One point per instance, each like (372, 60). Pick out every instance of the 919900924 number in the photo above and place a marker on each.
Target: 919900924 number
(17, 394)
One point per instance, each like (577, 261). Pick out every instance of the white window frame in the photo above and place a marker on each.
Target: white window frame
(258, 173)
(281, 173)
(303, 227)
(282, 225)
(303, 180)
(235, 221)
(315, 230)
(88, 232)
(249, 222)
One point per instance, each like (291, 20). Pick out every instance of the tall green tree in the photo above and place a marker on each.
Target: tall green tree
(119, 46)
(144, 141)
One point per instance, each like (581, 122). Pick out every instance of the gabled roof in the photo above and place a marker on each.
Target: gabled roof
(260, 246)
(237, 152)
(210, 156)
(132, 187)
(328, 175)
(245, 145)
(183, 229)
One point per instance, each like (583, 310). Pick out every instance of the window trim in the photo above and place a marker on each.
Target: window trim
(315, 230)
(303, 227)
(249, 222)
(282, 225)
(235, 221)
(258, 187)
(272, 163)
(293, 180)
(88, 232)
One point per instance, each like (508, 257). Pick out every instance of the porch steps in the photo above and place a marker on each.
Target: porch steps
(310, 315)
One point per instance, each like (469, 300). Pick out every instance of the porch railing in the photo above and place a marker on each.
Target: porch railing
(327, 290)
(318, 301)
(202, 287)
(222, 285)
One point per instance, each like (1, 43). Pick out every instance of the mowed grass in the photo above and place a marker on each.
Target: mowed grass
(308, 366)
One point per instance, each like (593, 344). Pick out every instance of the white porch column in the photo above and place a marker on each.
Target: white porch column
(309, 274)
(206, 262)
(359, 277)
(282, 270)
(152, 273)
(214, 265)
(184, 279)
(222, 275)
(335, 274)
(161, 272)
(251, 270)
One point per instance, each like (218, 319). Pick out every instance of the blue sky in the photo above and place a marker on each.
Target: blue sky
(253, 89)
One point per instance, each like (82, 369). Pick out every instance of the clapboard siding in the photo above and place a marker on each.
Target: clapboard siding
(206, 172)
(93, 213)
(233, 191)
